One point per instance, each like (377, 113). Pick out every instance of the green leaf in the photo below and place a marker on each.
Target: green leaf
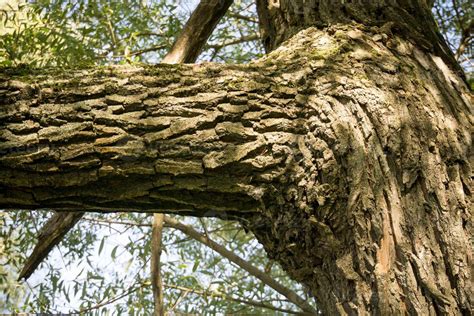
(101, 245)
(196, 265)
(114, 252)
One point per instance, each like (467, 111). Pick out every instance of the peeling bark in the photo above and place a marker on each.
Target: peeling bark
(345, 151)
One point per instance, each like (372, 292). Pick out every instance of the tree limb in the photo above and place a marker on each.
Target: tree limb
(197, 30)
(50, 235)
(183, 50)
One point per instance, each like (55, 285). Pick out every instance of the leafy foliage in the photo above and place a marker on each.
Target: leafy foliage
(76, 33)
(107, 255)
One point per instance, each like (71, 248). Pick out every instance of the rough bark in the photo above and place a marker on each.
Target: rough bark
(280, 19)
(345, 151)
(151, 138)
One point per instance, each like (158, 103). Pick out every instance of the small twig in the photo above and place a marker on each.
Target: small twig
(243, 39)
(231, 298)
(242, 17)
(126, 293)
(104, 221)
(178, 300)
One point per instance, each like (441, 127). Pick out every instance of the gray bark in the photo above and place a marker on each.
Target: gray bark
(345, 151)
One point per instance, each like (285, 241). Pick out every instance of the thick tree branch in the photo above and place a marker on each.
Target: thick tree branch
(214, 10)
(166, 147)
(50, 235)
(197, 30)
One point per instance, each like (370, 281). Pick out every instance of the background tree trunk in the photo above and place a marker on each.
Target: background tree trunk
(346, 151)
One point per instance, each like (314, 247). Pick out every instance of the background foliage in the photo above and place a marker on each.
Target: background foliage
(102, 266)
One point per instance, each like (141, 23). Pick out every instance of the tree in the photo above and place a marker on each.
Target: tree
(54, 294)
(345, 150)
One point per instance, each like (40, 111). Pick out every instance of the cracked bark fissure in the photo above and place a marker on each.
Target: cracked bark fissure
(345, 151)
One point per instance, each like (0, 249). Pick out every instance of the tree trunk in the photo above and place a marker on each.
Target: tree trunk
(345, 151)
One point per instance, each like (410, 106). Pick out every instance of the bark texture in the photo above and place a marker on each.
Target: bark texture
(345, 151)
(150, 138)
(186, 49)
(374, 213)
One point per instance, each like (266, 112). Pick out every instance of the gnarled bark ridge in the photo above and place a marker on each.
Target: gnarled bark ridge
(345, 151)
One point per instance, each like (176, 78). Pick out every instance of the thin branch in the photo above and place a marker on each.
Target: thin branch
(442, 24)
(151, 34)
(145, 50)
(111, 30)
(242, 17)
(156, 249)
(186, 292)
(178, 300)
(458, 15)
(50, 235)
(231, 256)
(104, 221)
(112, 300)
(235, 299)
(243, 39)
(463, 44)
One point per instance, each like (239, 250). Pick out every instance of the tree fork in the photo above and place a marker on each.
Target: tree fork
(346, 151)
